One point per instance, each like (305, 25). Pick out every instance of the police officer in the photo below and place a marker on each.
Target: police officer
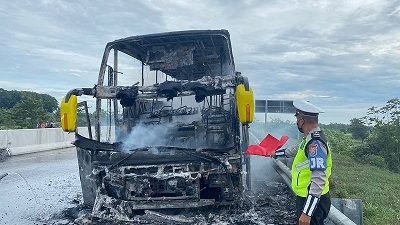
(311, 167)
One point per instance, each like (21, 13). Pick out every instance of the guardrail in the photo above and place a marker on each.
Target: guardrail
(337, 217)
(334, 215)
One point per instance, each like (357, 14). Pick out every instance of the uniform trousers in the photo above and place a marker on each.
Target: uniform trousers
(320, 213)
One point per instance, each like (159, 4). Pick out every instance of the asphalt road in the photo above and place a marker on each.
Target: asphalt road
(38, 186)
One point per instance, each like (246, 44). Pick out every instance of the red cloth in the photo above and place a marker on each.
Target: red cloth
(267, 146)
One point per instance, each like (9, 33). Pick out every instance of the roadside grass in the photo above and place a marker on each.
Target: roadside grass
(379, 189)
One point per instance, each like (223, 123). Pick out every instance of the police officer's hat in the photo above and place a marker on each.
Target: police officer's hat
(306, 108)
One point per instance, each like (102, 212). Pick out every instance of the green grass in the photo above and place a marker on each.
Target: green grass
(379, 189)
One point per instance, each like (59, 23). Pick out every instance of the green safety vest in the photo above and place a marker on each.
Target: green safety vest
(301, 173)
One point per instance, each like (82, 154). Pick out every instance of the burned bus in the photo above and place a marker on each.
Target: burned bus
(169, 135)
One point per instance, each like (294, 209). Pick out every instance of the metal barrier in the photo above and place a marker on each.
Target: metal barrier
(337, 217)
(334, 215)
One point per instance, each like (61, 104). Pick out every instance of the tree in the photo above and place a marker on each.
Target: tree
(6, 120)
(8, 99)
(385, 139)
(24, 109)
(336, 126)
(29, 111)
(358, 129)
(49, 103)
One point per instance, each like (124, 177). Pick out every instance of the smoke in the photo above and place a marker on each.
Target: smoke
(262, 169)
(145, 135)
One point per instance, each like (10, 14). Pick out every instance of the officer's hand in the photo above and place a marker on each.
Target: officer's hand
(304, 219)
(278, 153)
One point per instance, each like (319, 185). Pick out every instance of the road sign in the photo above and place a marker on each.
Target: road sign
(274, 106)
(260, 106)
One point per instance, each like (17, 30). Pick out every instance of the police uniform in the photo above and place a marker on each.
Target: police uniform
(311, 169)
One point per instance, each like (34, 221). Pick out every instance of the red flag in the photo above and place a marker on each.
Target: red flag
(267, 146)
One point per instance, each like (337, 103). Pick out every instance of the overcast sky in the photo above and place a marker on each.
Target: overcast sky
(343, 56)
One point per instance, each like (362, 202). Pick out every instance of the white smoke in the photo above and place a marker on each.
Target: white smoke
(262, 170)
(143, 135)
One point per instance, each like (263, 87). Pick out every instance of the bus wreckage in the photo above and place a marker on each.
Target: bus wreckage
(179, 135)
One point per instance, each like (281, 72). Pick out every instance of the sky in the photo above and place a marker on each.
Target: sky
(343, 56)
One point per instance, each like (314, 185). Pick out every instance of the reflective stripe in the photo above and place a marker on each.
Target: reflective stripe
(307, 204)
(302, 165)
(313, 206)
(303, 143)
(310, 205)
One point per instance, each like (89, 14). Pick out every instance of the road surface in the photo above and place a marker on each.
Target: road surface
(38, 186)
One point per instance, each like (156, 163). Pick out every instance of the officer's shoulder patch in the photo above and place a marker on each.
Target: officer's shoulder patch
(316, 134)
(313, 149)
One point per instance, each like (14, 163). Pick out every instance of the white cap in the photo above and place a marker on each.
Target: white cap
(307, 108)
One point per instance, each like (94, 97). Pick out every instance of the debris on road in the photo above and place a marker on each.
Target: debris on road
(4, 154)
(271, 203)
(3, 175)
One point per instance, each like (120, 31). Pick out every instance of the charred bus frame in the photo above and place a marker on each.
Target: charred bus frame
(178, 175)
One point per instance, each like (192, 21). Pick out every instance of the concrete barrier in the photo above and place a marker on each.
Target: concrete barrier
(23, 141)
(40, 148)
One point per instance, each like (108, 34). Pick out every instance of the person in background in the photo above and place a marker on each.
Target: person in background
(311, 167)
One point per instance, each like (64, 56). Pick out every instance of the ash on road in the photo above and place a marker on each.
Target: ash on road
(271, 205)
(38, 186)
(44, 188)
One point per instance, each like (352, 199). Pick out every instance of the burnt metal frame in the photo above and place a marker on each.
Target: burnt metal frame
(114, 45)
(111, 46)
(85, 106)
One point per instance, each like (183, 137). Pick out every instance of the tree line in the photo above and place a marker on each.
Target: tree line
(374, 138)
(379, 132)
(28, 110)
(25, 109)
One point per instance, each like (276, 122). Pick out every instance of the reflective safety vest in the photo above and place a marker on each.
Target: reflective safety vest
(301, 174)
